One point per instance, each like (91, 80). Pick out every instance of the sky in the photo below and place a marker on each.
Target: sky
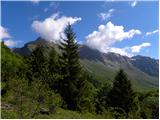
(125, 27)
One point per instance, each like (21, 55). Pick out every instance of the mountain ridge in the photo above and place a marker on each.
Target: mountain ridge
(99, 63)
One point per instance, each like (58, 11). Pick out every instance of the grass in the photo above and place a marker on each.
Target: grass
(59, 114)
(103, 73)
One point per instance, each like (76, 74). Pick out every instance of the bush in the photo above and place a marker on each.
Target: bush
(149, 104)
(5, 114)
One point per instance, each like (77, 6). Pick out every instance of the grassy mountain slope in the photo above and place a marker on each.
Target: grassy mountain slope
(106, 65)
(10, 63)
(102, 66)
(146, 64)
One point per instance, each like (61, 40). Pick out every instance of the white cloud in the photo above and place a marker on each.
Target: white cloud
(4, 33)
(134, 3)
(121, 51)
(107, 15)
(35, 1)
(153, 32)
(6, 37)
(10, 43)
(107, 35)
(128, 51)
(52, 28)
(137, 48)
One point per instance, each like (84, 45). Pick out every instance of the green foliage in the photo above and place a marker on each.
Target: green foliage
(85, 96)
(101, 99)
(72, 88)
(37, 65)
(54, 70)
(122, 95)
(68, 114)
(149, 104)
(16, 96)
(42, 98)
(117, 113)
(11, 64)
(5, 114)
(70, 57)
(29, 101)
(56, 81)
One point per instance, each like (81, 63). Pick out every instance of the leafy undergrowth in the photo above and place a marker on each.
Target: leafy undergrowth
(67, 114)
(59, 114)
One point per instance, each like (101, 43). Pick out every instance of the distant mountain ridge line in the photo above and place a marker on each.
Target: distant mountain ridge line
(109, 61)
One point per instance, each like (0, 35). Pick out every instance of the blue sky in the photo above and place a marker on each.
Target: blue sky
(138, 36)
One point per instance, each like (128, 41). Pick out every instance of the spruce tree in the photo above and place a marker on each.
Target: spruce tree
(37, 63)
(70, 68)
(122, 95)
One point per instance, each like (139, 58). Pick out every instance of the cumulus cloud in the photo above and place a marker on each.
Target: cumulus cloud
(52, 28)
(153, 32)
(134, 3)
(6, 37)
(107, 15)
(10, 43)
(4, 33)
(137, 48)
(122, 51)
(107, 35)
(130, 51)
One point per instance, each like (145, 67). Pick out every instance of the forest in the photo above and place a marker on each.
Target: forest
(55, 85)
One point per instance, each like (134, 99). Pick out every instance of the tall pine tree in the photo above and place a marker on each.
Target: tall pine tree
(70, 68)
(122, 95)
(75, 87)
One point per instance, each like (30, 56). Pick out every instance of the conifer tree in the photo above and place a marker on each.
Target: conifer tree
(37, 63)
(70, 68)
(75, 88)
(122, 95)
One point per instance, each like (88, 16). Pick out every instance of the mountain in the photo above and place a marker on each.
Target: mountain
(146, 64)
(142, 71)
(105, 65)
(30, 46)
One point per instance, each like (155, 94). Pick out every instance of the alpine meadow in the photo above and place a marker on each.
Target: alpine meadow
(79, 59)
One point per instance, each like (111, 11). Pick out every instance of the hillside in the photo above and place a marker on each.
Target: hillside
(10, 63)
(104, 66)
(21, 100)
(146, 64)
